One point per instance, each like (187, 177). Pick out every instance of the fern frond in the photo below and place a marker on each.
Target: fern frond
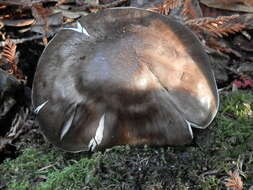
(219, 27)
(234, 181)
(9, 52)
(11, 57)
(165, 7)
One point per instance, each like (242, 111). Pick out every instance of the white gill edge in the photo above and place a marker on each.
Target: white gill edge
(189, 127)
(79, 28)
(67, 126)
(38, 108)
(99, 134)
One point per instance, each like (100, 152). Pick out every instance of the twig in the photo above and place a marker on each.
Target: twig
(191, 10)
(46, 167)
(226, 88)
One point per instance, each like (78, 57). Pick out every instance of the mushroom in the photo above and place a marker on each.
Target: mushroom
(123, 76)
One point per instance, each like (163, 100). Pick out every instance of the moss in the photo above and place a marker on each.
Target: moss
(225, 146)
(19, 185)
(41, 169)
(19, 173)
(235, 123)
(211, 183)
(76, 176)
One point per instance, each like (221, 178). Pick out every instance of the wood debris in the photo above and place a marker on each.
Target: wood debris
(16, 129)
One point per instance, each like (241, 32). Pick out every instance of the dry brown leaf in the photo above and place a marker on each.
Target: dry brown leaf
(219, 27)
(191, 9)
(232, 5)
(46, 21)
(41, 15)
(227, 2)
(234, 182)
(165, 7)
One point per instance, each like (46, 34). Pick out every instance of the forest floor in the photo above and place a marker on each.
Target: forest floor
(220, 157)
(225, 146)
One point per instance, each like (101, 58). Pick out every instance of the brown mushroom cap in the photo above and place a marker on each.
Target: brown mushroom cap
(128, 76)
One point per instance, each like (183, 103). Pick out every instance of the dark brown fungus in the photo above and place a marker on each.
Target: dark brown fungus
(123, 76)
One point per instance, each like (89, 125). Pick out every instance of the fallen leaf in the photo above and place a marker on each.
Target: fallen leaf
(233, 5)
(191, 9)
